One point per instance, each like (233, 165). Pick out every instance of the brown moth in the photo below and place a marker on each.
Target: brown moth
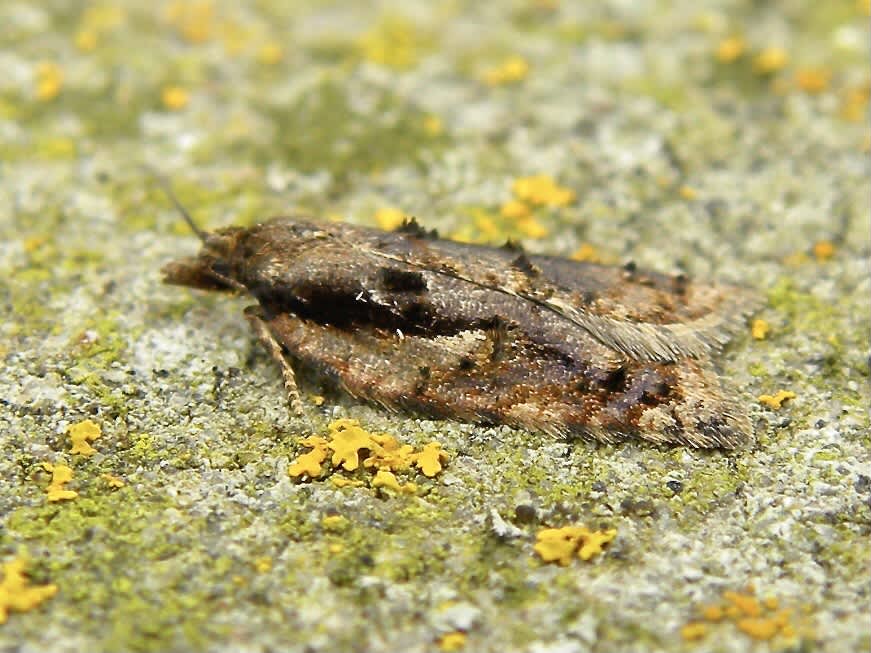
(443, 329)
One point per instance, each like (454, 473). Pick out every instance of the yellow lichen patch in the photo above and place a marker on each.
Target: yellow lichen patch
(193, 20)
(771, 602)
(823, 250)
(730, 49)
(174, 98)
(389, 218)
(334, 523)
(270, 53)
(16, 594)
(429, 460)
(486, 224)
(514, 210)
(388, 480)
(386, 455)
(318, 400)
(86, 40)
(562, 544)
(309, 464)
(687, 192)
(454, 641)
(542, 190)
(760, 329)
(81, 433)
(432, 125)
(262, 564)
(747, 604)
(96, 21)
(812, 80)
(33, 243)
(348, 439)
(592, 544)
(512, 70)
(531, 228)
(113, 481)
(854, 102)
(693, 631)
(385, 479)
(586, 253)
(60, 476)
(49, 80)
(712, 613)
(236, 38)
(103, 17)
(558, 544)
(394, 43)
(758, 628)
(732, 612)
(758, 619)
(776, 401)
(770, 60)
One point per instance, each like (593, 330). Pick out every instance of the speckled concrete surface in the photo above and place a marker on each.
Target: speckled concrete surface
(726, 139)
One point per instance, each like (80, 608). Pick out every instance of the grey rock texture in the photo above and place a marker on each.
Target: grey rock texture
(729, 140)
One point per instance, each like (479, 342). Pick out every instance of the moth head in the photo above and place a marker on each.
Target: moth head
(212, 268)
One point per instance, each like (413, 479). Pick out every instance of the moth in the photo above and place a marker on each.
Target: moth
(416, 323)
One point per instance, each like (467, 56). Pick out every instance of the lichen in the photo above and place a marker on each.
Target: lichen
(395, 42)
(512, 70)
(176, 558)
(309, 464)
(334, 523)
(560, 545)
(541, 190)
(430, 459)
(388, 480)
(16, 592)
(770, 60)
(760, 329)
(823, 250)
(114, 482)
(60, 475)
(453, 641)
(776, 400)
(759, 619)
(81, 434)
(389, 218)
(385, 455)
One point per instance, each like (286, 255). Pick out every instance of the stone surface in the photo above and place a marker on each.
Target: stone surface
(729, 140)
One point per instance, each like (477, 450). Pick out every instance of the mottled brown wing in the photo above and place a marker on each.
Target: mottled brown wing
(498, 376)
(645, 315)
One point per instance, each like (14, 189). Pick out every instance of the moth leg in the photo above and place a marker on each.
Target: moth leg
(261, 330)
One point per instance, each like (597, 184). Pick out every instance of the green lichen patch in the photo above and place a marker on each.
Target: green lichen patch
(728, 139)
(322, 130)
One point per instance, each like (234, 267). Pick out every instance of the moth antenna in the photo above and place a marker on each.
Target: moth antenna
(166, 187)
